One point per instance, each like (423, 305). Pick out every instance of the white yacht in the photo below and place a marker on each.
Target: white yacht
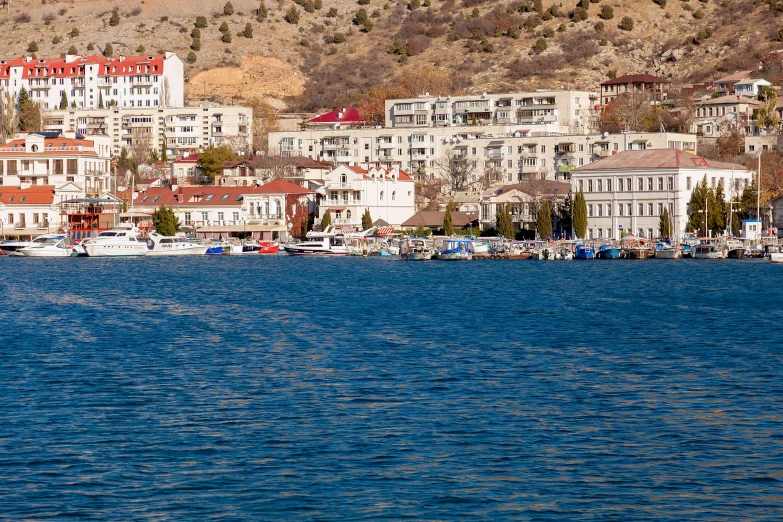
(49, 245)
(325, 243)
(173, 246)
(122, 240)
(12, 248)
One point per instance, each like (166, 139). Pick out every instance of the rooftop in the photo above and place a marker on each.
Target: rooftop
(636, 78)
(33, 195)
(741, 75)
(657, 159)
(344, 115)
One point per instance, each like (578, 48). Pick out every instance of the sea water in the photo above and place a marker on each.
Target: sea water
(279, 388)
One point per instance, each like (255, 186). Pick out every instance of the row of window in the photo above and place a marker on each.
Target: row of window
(625, 184)
(606, 233)
(627, 209)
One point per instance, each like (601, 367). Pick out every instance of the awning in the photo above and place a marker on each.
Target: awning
(336, 209)
(136, 213)
(385, 231)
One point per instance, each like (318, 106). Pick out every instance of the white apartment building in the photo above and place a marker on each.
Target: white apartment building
(70, 162)
(182, 130)
(388, 193)
(124, 81)
(715, 117)
(574, 112)
(514, 151)
(628, 191)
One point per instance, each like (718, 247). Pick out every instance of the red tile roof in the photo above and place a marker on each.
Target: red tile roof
(636, 78)
(183, 196)
(34, 195)
(338, 116)
(51, 146)
(61, 68)
(737, 76)
(404, 176)
(657, 159)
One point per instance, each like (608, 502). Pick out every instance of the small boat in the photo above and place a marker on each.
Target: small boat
(481, 247)
(634, 247)
(667, 251)
(159, 245)
(326, 243)
(268, 247)
(49, 245)
(11, 247)
(456, 250)
(608, 251)
(735, 249)
(122, 240)
(708, 251)
(776, 257)
(415, 249)
(687, 251)
(584, 251)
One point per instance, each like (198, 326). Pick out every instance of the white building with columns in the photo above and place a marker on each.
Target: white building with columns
(628, 191)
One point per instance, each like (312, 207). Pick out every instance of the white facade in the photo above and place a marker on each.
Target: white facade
(67, 159)
(181, 130)
(629, 191)
(750, 87)
(572, 111)
(513, 150)
(127, 81)
(388, 193)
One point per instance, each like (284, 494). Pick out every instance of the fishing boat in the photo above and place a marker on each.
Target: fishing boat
(608, 251)
(415, 249)
(584, 251)
(456, 250)
(667, 251)
(159, 245)
(49, 245)
(633, 247)
(735, 249)
(122, 240)
(708, 251)
(326, 243)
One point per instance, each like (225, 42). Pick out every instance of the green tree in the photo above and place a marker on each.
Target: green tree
(223, 27)
(140, 49)
(665, 224)
(326, 220)
(292, 16)
(626, 24)
(228, 9)
(544, 220)
(698, 204)
(74, 32)
(195, 33)
(262, 12)
(29, 113)
(366, 219)
(332, 12)
(100, 100)
(361, 16)
(448, 224)
(580, 215)
(192, 56)
(201, 22)
(504, 224)
(63, 101)
(211, 161)
(414, 4)
(540, 45)
(422, 231)
(72, 50)
(195, 45)
(607, 12)
(114, 21)
(318, 4)
(248, 32)
(226, 38)
(108, 50)
(164, 155)
(32, 47)
(538, 6)
(166, 223)
(564, 211)
(718, 210)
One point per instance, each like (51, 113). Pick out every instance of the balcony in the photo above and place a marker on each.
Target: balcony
(495, 154)
(538, 119)
(333, 146)
(346, 221)
(403, 112)
(33, 173)
(335, 186)
(603, 153)
(417, 144)
(528, 169)
(345, 202)
(385, 145)
(343, 159)
(420, 157)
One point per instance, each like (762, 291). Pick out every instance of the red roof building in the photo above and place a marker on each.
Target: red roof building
(344, 117)
(645, 85)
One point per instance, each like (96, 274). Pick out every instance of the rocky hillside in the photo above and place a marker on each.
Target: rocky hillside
(316, 54)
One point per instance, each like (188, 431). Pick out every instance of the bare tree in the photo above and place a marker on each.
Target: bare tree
(8, 121)
(265, 120)
(455, 171)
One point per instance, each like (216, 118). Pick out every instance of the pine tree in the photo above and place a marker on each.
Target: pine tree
(580, 215)
(326, 220)
(164, 156)
(564, 212)
(292, 15)
(544, 220)
(223, 27)
(366, 219)
(108, 50)
(72, 50)
(448, 224)
(166, 223)
(664, 225)
(262, 12)
(248, 32)
(228, 9)
(63, 101)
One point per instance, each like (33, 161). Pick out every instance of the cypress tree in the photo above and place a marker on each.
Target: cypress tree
(699, 202)
(100, 100)
(366, 219)
(664, 225)
(63, 101)
(448, 224)
(544, 220)
(504, 223)
(326, 220)
(580, 215)
(718, 210)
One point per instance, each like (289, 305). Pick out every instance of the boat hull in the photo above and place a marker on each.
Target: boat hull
(47, 252)
(709, 255)
(293, 250)
(668, 253)
(417, 256)
(776, 257)
(455, 256)
(118, 250)
(736, 253)
(609, 253)
(195, 250)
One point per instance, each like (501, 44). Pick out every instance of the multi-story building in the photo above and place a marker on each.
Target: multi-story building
(124, 81)
(522, 200)
(628, 191)
(181, 130)
(63, 160)
(714, 117)
(511, 152)
(389, 194)
(750, 86)
(27, 210)
(574, 112)
(644, 85)
(725, 86)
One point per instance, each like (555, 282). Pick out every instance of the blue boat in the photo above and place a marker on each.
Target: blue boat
(456, 250)
(608, 251)
(584, 252)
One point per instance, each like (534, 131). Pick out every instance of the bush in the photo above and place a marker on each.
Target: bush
(90, 46)
(361, 16)
(201, 22)
(607, 12)
(363, 2)
(223, 27)
(248, 32)
(192, 57)
(318, 4)
(698, 14)
(332, 12)
(196, 44)
(292, 15)
(262, 13)
(661, 3)
(108, 50)
(74, 32)
(579, 14)
(23, 18)
(115, 17)
(367, 25)
(72, 50)
(226, 37)
(56, 40)
(540, 45)
(338, 38)
(414, 4)
(549, 32)
(228, 9)
(599, 26)
(32, 47)
(140, 49)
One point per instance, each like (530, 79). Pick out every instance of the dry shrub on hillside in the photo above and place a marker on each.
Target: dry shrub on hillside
(578, 46)
(541, 66)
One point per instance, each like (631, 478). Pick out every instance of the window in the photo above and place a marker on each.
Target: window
(221, 216)
(688, 183)
(629, 209)
(620, 209)
(236, 217)
(628, 185)
(639, 184)
(209, 197)
(589, 185)
(155, 199)
(204, 216)
(589, 210)
(649, 209)
(381, 196)
(581, 185)
(608, 185)
(72, 166)
(660, 208)
(225, 197)
(650, 184)
(608, 210)
(640, 209)
(670, 183)
(620, 184)
(600, 209)
(600, 185)
(394, 195)
(188, 217)
(660, 183)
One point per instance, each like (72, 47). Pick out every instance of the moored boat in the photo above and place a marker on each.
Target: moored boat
(667, 251)
(584, 251)
(159, 245)
(415, 249)
(325, 243)
(122, 240)
(708, 251)
(608, 251)
(49, 245)
(456, 250)
(776, 257)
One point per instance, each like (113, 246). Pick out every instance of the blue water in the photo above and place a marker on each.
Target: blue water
(277, 388)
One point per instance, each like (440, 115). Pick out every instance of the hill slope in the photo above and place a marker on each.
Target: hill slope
(481, 45)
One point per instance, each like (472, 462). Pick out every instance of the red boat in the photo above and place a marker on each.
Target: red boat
(268, 247)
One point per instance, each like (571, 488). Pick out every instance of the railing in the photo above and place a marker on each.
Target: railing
(32, 172)
(345, 221)
(48, 149)
(339, 186)
(343, 158)
(385, 145)
(495, 154)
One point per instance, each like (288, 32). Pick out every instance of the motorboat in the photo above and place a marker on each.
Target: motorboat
(708, 251)
(456, 250)
(121, 240)
(416, 249)
(159, 245)
(608, 251)
(634, 247)
(667, 251)
(326, 243)
(268, 247)
(11, 247)
(584, 251)
(776, 257)
(735, 249)
(481, 247)
(49, 245)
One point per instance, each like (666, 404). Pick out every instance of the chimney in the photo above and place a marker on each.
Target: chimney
(174, 184)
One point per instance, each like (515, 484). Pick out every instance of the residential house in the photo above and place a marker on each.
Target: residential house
(715, 117)
(388, 193)
(725, 85)
(28, 210)
(750, 87)
(628, 192)
(646, 86)
(433, 219)
(523, 200)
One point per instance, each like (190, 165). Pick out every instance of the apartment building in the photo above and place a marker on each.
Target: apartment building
(181, 130)
(124, 81)
(627, 192)
(644, 85)
(27, 210)
(70, 162)
(511, 152)
(714, 117)
(575, 112)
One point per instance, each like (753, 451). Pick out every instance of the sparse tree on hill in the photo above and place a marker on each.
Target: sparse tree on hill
(195, 45)
(192, 56)
(74, 32)
(226, 38)
(607, 12)
(228, 9)
(72, 50)
(626, 24)
(292, 16)
(318, 5)
(201, 22)
(195, 33)
(32, 47)
(248, 32)
(108, 50)
(114, 21)
(262, 12)
(223, 27)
